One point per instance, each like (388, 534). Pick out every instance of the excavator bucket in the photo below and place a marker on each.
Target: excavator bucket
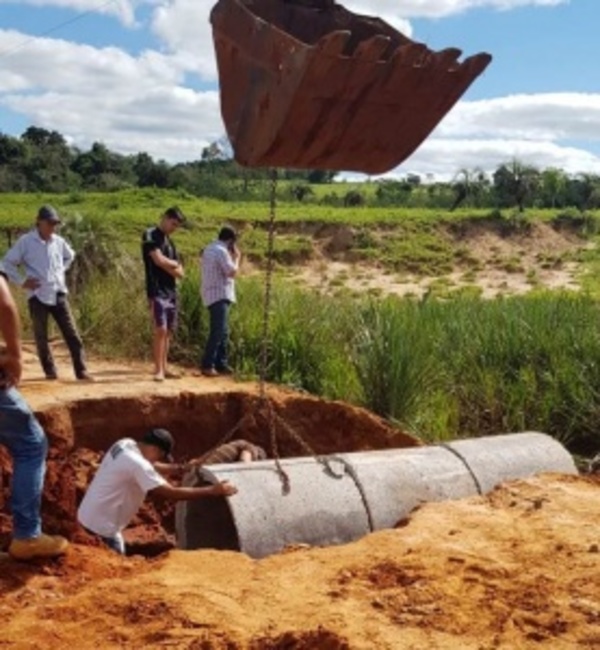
(308, 84)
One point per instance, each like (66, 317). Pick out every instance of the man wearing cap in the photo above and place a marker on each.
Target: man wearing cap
(163, 268)
(128, 472)
(45, 257)
(22, 435)
(219, 265)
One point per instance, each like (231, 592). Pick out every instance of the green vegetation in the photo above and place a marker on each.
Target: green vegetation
(42, 161)
(449, 364)
(439, 368)
(404, 240)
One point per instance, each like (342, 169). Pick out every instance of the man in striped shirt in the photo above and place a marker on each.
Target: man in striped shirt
(219, 266)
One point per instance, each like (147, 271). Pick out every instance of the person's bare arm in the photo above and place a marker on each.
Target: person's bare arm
(222, 489)
(10, 328)
(173, 267)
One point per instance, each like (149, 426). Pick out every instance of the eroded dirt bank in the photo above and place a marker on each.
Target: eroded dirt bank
(517, 569)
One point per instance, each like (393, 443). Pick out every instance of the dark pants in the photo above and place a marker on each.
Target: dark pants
(61, 313)
(215, 352)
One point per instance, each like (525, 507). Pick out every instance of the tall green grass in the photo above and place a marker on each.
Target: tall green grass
(463, 367)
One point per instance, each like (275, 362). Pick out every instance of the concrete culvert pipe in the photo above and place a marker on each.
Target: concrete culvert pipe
(376, 490)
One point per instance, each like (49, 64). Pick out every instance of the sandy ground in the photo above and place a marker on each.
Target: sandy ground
(112, 379)
(505, 266)
(519, 568)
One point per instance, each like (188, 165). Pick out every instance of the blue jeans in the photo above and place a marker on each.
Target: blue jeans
(215, 352)
(23, 436)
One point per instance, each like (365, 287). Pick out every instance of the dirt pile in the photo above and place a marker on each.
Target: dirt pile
(519, 568)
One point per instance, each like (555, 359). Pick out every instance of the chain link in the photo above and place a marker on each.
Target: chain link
(266, 337)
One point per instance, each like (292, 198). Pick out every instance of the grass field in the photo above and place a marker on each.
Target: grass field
(442, 368)
(399, 239)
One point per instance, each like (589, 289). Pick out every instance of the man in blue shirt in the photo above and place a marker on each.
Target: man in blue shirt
(163, 268)
(22, 435)
(46, 257)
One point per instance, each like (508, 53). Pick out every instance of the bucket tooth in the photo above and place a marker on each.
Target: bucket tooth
(448, 58)
(333, 44)
(307, 86)
(373, 49)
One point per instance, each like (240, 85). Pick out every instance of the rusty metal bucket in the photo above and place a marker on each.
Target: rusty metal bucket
(308, 84)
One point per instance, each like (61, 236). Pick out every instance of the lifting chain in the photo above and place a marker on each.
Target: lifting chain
(273, 420)
(266, 336)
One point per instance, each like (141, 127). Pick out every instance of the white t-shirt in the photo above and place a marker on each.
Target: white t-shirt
(118, 489)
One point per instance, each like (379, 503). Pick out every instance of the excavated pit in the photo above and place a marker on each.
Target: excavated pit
(80, 431)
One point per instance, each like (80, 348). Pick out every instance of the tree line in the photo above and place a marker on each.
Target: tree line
(40, 160)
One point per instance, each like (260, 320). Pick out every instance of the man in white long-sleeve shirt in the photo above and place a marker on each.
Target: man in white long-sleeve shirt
(45, 258)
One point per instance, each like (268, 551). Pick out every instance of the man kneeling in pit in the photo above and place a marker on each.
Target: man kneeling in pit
(128, 472)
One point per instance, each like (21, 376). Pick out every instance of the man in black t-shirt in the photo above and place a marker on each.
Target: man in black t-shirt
(163, 268)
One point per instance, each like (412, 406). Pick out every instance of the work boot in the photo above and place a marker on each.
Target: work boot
(38, 547)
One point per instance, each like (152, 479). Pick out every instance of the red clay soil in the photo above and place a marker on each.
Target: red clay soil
(83, 420)
(519, 568)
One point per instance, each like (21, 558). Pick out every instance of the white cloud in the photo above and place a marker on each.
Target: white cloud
(545, 116)
(85, 69)
(129, 103)
(184, 28)
(124, 10)
(444, 158)
(402, 9)
(134, 103)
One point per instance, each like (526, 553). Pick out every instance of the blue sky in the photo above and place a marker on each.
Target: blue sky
(140, 75)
